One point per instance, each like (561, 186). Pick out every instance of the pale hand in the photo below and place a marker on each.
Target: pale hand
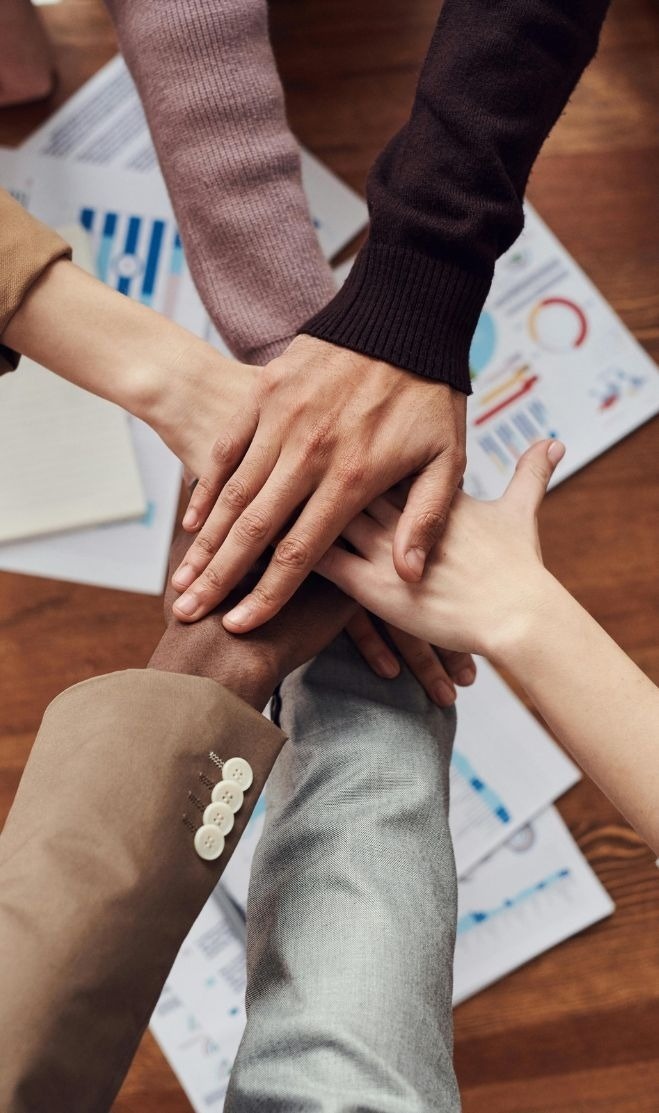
(482, 577)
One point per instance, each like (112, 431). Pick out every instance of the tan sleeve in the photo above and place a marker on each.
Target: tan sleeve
(27, 247)
(99, 878)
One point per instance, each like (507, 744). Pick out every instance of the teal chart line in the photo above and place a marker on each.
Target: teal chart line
(463, 766)
(473, 919)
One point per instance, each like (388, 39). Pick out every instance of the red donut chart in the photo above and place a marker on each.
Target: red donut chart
(569, 324)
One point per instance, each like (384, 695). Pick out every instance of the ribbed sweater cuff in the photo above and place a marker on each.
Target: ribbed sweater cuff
(407, 309)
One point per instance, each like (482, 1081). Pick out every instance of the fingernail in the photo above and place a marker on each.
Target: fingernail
(466, 676)
(387, 666)
(240, 615)
(183, 576)
(416, 561)
(443, 693)
(555, 452)
(187, 604)
(190, 519)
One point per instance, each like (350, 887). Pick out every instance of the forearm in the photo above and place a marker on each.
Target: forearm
(445, 195)
(597, 702)
(209, 84)
(114, 347)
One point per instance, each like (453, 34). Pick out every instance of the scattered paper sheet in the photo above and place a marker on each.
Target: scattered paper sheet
(550, 358)
(103, 125)
(200, 1017)
(530, 895)
(66, 457)
(505, 769)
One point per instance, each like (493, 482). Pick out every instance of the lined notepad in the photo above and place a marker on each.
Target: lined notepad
(66, 457)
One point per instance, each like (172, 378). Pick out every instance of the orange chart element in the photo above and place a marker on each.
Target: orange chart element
(558, 324)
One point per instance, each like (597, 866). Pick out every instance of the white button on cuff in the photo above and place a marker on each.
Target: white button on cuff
(228, 792)
(209, 842)
(221, 815)
(238, 770)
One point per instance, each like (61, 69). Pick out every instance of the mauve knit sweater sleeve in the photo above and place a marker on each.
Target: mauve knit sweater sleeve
(212, 96)
(445, 195)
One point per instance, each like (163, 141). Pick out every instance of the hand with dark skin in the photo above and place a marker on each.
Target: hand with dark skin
(252, 666)
(326, 431)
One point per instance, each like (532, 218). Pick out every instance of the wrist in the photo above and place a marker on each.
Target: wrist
(242, 669)
(522, 620)
(188, 392)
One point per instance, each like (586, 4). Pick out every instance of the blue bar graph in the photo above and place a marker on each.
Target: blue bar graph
(493, 802)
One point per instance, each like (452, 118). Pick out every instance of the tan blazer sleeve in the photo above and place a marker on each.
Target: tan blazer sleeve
(99, 878)
(27, 247)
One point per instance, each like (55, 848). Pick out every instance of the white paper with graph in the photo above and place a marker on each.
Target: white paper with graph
(550, 358)
(533, 893)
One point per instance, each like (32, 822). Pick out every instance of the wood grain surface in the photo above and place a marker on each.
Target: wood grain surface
(574, 1031)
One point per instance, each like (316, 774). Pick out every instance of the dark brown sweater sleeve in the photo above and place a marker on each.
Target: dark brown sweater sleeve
(445, 195)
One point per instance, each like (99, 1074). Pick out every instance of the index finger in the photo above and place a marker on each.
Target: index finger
(319, 525)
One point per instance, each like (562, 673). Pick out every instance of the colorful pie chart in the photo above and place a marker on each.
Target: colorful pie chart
(558, 324)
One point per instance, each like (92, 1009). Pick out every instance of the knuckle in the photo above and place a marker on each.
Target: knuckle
(351, 474)
(252, 526)
(212, 580)
(292, 553)
(204, 546)
(264, 596)
(537, 471)
(431, 522)
(422, 660)
(317, 441)
(203, 487)
(235, 494)
(223, 450)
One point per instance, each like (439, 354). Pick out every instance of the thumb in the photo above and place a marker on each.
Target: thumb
(535, 468)
(423, 520)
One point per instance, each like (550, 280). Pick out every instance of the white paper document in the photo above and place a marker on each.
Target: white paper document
(505, 768)
(550, 358)
(131, 556)
(66, 457)
(529, 896)
(200, 1017)
(103, 125)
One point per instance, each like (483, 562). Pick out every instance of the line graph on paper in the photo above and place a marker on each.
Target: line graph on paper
(524, 901)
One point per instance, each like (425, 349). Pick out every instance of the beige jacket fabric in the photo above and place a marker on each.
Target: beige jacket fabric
(27, 248)
(99, 878)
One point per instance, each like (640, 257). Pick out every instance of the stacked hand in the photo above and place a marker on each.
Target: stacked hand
(325, 432)
(485, 577)
(204, 393)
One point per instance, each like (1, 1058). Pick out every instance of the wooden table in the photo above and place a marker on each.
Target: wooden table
(577, 1029)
